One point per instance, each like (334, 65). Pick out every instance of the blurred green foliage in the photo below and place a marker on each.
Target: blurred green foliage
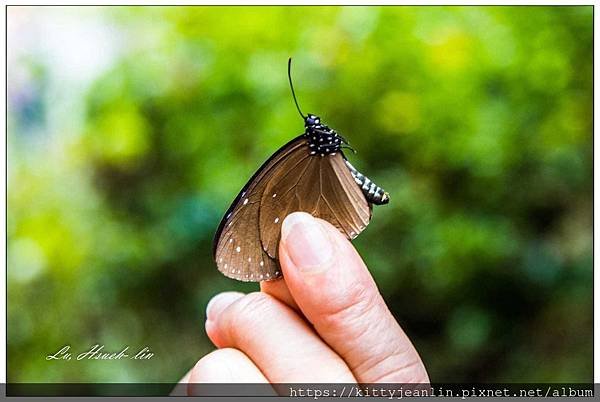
(477, 120)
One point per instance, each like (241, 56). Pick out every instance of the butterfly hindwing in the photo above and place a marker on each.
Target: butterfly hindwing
(321, 186)
(239, 253)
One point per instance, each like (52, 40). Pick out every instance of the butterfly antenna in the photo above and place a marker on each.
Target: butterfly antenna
(292, 87)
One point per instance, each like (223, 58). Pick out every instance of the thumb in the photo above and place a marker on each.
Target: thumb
(336, 293)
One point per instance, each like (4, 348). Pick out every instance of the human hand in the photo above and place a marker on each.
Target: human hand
(325, 322)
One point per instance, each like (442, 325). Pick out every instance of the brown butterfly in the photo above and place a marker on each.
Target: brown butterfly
(310, 174)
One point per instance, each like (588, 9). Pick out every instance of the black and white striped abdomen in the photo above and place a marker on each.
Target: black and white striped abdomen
(373, 193)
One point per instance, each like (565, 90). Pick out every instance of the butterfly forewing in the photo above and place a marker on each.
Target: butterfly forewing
(321, 186)
(284, 194)
(237, 248)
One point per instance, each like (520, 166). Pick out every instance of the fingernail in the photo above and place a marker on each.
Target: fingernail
(306, 242)
(219, 303)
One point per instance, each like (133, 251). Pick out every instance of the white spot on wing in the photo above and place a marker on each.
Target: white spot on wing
(276, 220)
(245, 201)
(238, 249)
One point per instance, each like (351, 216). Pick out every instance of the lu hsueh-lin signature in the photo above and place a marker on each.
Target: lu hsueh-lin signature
(98, 352)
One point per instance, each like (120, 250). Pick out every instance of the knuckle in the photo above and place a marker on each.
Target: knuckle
(250, 308)
(353, 306)
(411, 371)
(395, 365)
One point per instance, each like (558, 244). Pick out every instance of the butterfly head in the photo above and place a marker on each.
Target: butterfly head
(312, 121)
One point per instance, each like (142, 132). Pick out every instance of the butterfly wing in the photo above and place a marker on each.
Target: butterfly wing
(237, 248)
(321, 186)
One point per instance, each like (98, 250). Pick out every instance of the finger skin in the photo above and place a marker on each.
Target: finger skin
(279, 290)
(279, 342)
(213, 314)
(340, 298)
(223, 366)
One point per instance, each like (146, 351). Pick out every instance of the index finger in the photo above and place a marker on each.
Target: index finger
(336, 293)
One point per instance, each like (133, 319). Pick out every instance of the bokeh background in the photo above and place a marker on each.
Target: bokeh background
(130, 130)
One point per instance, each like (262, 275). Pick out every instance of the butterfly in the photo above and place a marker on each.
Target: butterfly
(311, 174)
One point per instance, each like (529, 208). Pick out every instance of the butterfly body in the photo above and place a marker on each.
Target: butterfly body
(309, 174)
(373, 193)
(322, 140)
